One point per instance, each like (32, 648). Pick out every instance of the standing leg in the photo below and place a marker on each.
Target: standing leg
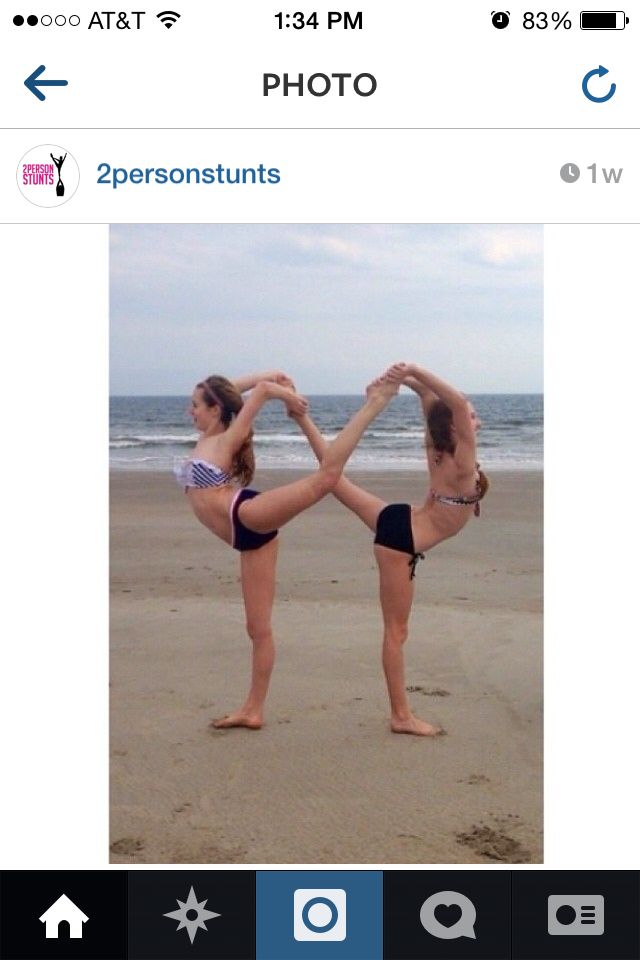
(258, 572)
(396, 597)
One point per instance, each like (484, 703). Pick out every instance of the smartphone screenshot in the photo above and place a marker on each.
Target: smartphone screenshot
(319, 377)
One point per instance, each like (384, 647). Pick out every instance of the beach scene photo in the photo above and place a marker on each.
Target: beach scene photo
(324, 777)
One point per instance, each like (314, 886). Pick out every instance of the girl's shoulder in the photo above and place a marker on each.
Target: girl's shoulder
(208, 448)
(205, 445)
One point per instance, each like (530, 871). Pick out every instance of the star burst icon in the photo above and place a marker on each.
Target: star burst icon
(191, 915)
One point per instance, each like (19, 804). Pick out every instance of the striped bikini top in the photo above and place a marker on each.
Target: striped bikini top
(200, 473)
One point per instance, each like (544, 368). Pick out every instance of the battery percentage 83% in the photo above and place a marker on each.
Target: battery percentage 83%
(542, 20)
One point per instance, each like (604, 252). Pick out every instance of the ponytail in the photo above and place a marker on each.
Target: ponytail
(218, 391)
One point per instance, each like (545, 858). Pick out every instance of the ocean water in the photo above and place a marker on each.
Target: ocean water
(148, 433)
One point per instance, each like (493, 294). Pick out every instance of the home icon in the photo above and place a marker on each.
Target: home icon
(63, 911)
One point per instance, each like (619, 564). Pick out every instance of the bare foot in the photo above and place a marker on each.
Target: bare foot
(238, 719)
(382, 387)
(419, 728)
(397, 372)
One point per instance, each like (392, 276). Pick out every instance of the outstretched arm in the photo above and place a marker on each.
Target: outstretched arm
(456, 401)
(427, 396)
(364, 504)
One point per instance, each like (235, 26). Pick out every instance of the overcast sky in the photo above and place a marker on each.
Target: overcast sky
(332, 305)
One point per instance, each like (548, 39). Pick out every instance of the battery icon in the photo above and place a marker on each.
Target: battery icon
(603, 20)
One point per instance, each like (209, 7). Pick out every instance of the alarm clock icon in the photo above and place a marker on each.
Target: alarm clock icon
(500, 19)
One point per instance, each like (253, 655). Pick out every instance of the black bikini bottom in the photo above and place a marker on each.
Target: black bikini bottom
(243, 537)
(393, 530)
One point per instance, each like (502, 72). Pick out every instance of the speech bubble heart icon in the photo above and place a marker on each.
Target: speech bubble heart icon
(448, 915)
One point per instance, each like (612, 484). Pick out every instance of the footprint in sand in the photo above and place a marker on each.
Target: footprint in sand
(127, 846)
(433, 692)
(475, 778)
(492, 843)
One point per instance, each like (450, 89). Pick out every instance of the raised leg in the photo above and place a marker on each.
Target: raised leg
(274, 508)
(364, 504)
(379, 393)
(258, 570)
(396, 598)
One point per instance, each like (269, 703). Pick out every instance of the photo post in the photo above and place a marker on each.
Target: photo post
(319, 608)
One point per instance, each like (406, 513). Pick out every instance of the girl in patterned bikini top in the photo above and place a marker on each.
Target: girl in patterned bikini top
(404, 533)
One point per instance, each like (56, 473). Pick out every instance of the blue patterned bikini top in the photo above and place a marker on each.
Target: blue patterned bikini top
(200, 473)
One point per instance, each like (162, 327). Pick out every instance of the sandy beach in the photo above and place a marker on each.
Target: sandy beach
(325, 781)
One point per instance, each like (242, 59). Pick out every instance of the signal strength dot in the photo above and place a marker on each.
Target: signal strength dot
(168, 17)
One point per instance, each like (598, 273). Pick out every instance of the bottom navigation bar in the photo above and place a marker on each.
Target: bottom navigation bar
(320, 914)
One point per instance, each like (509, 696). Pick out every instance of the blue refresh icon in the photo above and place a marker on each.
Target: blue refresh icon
(599, 72)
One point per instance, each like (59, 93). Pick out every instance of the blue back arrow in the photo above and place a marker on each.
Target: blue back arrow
(32, 83)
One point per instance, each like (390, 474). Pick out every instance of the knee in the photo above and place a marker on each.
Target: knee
(259, 632)
(327, 478)
(396, 634)
(323, 482)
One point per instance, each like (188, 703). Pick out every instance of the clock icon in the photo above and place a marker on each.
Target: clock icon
(500, 19)
(570, 172)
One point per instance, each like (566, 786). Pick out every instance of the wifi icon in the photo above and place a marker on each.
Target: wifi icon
(168, 17)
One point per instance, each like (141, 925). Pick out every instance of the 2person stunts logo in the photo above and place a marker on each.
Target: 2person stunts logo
(40, 175)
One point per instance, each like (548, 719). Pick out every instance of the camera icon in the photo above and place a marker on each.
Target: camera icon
(319, 914)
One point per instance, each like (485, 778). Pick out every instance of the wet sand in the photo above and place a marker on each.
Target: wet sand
(325, 781)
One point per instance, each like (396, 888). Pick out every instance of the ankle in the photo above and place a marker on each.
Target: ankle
(401, 716)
